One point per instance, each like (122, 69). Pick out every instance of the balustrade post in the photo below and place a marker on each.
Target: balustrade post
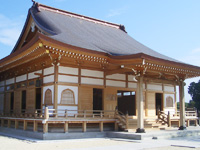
(84, 113)
(101, 114)
(168, 119)
(46, 113)
(35, 115)
(66, 115)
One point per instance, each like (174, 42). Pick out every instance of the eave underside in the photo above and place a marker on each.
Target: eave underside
(44, 52)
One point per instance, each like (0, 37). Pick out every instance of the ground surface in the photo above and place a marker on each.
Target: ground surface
(8, 143)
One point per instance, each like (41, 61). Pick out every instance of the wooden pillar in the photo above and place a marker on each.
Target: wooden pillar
(140, 106)
(25, 124)
(116, 126)
(45, 127)
(9, 122)
(35, 126)
(84, 126)
(182, 105)
(56, 88)
(66, 127)
(2, 122)
(16, 124)
(101, 126)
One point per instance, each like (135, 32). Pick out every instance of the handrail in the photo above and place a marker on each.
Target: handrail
(164, 117)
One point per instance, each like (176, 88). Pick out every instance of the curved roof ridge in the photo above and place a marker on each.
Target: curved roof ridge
(71, 14)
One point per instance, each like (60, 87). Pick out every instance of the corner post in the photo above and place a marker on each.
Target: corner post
(182, 105)
(140, 105)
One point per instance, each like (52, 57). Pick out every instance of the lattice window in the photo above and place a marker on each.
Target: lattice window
(48, 97)
(169, 101)
(67, 97)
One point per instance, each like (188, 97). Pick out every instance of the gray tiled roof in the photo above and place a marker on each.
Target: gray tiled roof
(89, 35)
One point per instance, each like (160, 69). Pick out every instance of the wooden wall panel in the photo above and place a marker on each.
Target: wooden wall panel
(110, 98)
(30, 100)
(85, 97)
(151, 104)
(17, 102)
(7, 103)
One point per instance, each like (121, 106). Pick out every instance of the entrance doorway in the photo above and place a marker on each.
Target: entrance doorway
(97, 99)
(126, 102)
(38, 98)
(23, 106)
(159, 102)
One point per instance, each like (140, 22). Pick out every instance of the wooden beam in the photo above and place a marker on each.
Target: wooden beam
(116, 126)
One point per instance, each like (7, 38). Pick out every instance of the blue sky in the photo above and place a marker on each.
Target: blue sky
(170, 27)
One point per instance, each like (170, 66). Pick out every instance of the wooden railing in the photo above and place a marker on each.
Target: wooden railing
(164, 117)
(188, 113)
(122, 119)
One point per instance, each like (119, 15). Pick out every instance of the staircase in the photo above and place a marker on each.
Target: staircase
(125, 122)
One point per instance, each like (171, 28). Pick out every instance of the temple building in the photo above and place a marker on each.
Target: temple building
(69, 72)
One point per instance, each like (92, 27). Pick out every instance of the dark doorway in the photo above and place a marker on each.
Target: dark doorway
(126, 102)
(97, 99)
(11, 101)
(23, 101)
(159, 102)
(38, 98)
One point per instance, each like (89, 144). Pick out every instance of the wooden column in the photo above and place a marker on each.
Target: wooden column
(16, 124)
(56, 87)
(116, 126)
(101, 126)
(182, 105)
(9, 122)
(140, 106)
(25, 124)
(66, 127)
(2, 122)
(84, 126)
(35, 126)
(45, 127)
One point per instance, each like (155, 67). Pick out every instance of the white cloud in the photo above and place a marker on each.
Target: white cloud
(10, 30)
(117, 12)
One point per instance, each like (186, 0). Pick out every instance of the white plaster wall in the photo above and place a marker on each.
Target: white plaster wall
(32, 74)
(130, 77)
(1, 102)
(69, 79)
(68, 70)
(48, 79)
(70, 113)
(21, 78)
(91, 81)
(10, 81)
(115, 83)
(49, 70)
(172, 95)
(92, 73)
(168, 88)
(1, 89)
(117, 76)
(2, 83)
(73, 88)
(52, 90)
(154, 87)
(132, 85)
